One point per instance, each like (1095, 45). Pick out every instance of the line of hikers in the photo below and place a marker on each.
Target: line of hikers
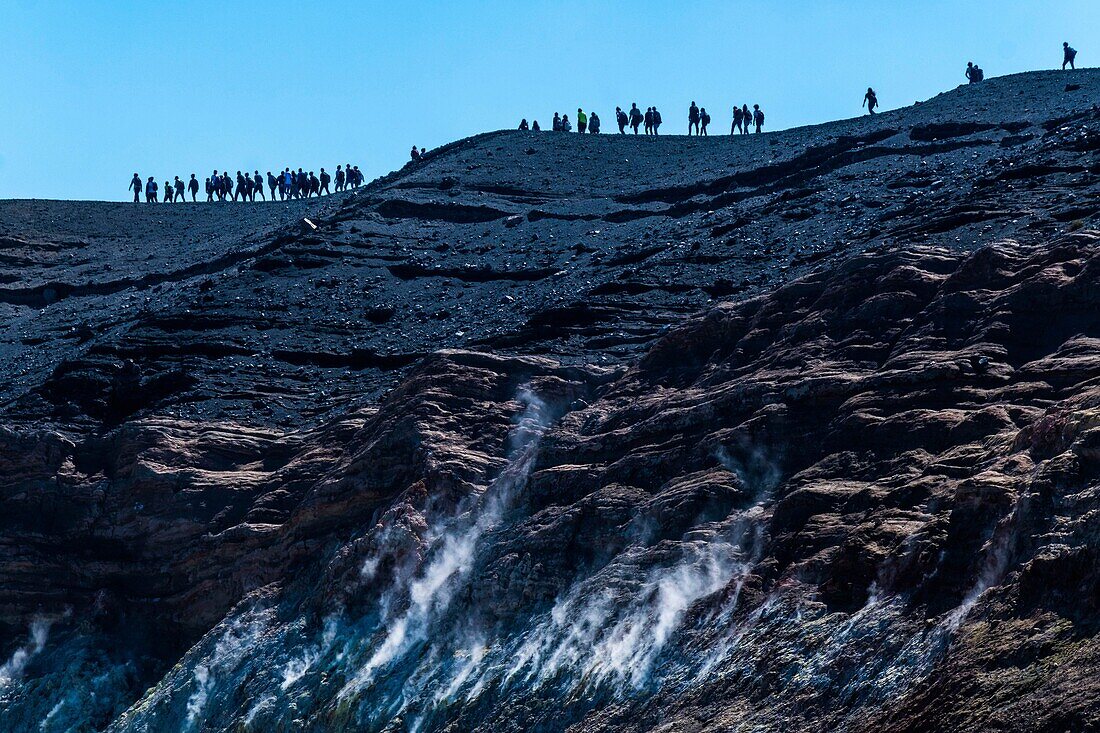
(287, 184)
(650, 120)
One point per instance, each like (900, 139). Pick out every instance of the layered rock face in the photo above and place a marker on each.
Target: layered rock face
(864, 499)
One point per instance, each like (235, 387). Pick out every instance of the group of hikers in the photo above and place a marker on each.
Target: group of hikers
(650, 120)
(287, 184)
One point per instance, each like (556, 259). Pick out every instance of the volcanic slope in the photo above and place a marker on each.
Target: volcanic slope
(862, 499)
(581, 248)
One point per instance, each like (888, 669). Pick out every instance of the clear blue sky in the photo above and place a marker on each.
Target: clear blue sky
(95, 90)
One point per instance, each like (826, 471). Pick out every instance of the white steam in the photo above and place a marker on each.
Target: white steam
(12, 670)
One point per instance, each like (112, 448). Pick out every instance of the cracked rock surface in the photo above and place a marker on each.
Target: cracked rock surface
(798, 431)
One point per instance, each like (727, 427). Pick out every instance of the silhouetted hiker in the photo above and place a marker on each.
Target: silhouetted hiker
(738, 116)
(415, 154)
(971, 75)
(979, 73)
(557, 122)
(359, 176)
(209, 190)
(135, 183)
(758, 117)
(179, 185)
(621, 120)
(870, 100)
(535, 126)
(423, 152)
(287, 188)
(325, 178)
(594, 124)
(523, 124)
(1069, 54)
(582, 121)
(239, 190)
(227, 186)
(302, 183)
(151, 191)
(704, 118)
(193, 187)
(258, 186)
(648, 120)
(272, 184)
(656, 120)
(314, 184)
(693, 118)
(747, 117)
(167, 192)
(565, 125)
(339, 178)
(635, 117)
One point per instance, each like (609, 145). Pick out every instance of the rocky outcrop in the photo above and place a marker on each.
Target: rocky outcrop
(481, 448)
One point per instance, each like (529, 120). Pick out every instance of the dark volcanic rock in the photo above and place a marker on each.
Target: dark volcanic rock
(259, 496)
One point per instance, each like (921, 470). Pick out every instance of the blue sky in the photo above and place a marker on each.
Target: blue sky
(93, 91)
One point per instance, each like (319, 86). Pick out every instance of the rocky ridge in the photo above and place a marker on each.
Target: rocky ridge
(862, 498)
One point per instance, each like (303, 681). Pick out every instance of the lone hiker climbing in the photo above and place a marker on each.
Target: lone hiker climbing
(870, 100)
(1069, 53)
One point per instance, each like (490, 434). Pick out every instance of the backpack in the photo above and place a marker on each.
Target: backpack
(1071, 52)
(706, 119)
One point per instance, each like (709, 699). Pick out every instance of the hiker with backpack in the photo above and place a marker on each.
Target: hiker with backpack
(704, 119)
(636, 117)
(151, 191)
(758, 117)
(971, 73)
(656, 120)
(193, 187)
(178, 185)
(135, 183)
(594, 124)
(168, 191)
(1068, 55)
(620, 119)
(648, 120)
(566, 126)
(693, 118)
(746, 116)
(870, 100)
(258, 186)
(582, 121)
(339, 178)
(738, 116)
(557, 122)
(325, 178)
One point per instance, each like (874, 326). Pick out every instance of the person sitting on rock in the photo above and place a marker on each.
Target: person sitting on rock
(135, 183)
(151, 191)
(693, 118)
(523, 124)
(656, 120)
(870, 100)
(620, 119)
(635, 117)
(758, 117)
(415, 154)
(193, 187)
(582, 121)
(565, 124)
(704, 120)
(594, 124)
(1068, 55)
(535, 126)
